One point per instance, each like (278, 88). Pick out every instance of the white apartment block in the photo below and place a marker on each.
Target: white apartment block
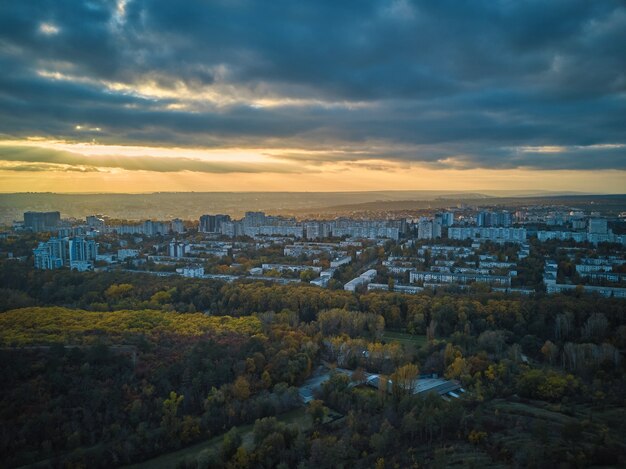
(362, 279)
(458, 278)
(496, 234)
(339, 261)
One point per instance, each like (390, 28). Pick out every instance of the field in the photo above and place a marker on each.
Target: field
(404, 338)
(534, 429)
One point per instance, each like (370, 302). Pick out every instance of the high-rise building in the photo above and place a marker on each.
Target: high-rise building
(481, 218)
(44, 259)
(506, 218)
(77, 253)
(437, 224)
(176, 249)
(232, 228)
(254, 219)
(503, 218)
(447, 219)
(95, 222)
(59, 249)
(153, 228)
(317, 229)
(597, 226)
(312, 229)
(177, 226)
(212, 223)
(82, 250)
(429, 229)
(425, 229)
(42, 221)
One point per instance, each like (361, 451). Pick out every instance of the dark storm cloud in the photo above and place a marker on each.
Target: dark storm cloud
(458, 83)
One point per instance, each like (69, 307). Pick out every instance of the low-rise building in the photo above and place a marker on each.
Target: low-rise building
(361, 280)
(123, 254)
(458, 278)
(498, 235)
(339, 261)
(191, 271)
(321, 281)
(409, 289)
(290, 268)
(607, 292)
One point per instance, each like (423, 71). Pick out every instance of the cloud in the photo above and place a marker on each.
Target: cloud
(37, 167)
(446, 84)
(38, 159)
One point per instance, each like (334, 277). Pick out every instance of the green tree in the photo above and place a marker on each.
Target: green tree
(230, 443)
(317, 410)
(170, 421)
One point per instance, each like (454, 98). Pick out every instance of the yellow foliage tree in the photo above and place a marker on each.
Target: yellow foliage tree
(404, 380)
(241, 388)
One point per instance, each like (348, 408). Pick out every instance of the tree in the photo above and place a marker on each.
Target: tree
(477, 436)
(383, 439)
(317, 411)
(230, 443)
(265, 426)
(595, 328)
(431, 330)
(116, 291)
(161, 297)
(307, 275)
(450, 353)
(550, 386)
(241, 388)
(241, 459)
(266, 379)
(563, 325)
(492, 341)
(190, 429)
(404, 381)
(170, 421)
(550, 352)
(457, 369)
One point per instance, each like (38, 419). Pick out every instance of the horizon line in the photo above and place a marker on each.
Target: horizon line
(452, 191)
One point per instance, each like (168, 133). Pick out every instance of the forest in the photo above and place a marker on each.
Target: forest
(112, 369)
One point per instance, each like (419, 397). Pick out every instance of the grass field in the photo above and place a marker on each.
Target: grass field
(539, 426)
(297, 417)
(404, 338)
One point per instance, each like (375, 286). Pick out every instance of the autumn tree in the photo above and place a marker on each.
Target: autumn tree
(404, 381)
(550, 352)
(241, 388)
(116, 291)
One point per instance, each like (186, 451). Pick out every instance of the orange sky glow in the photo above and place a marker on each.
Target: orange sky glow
(273, 172)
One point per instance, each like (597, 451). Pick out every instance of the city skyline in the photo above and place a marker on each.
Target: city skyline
(148, 96)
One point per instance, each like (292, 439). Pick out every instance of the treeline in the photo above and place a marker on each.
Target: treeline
(451, 312)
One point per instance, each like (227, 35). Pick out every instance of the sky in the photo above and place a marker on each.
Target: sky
(323, 95)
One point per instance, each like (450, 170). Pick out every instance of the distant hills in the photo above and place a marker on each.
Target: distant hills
(190, 205)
